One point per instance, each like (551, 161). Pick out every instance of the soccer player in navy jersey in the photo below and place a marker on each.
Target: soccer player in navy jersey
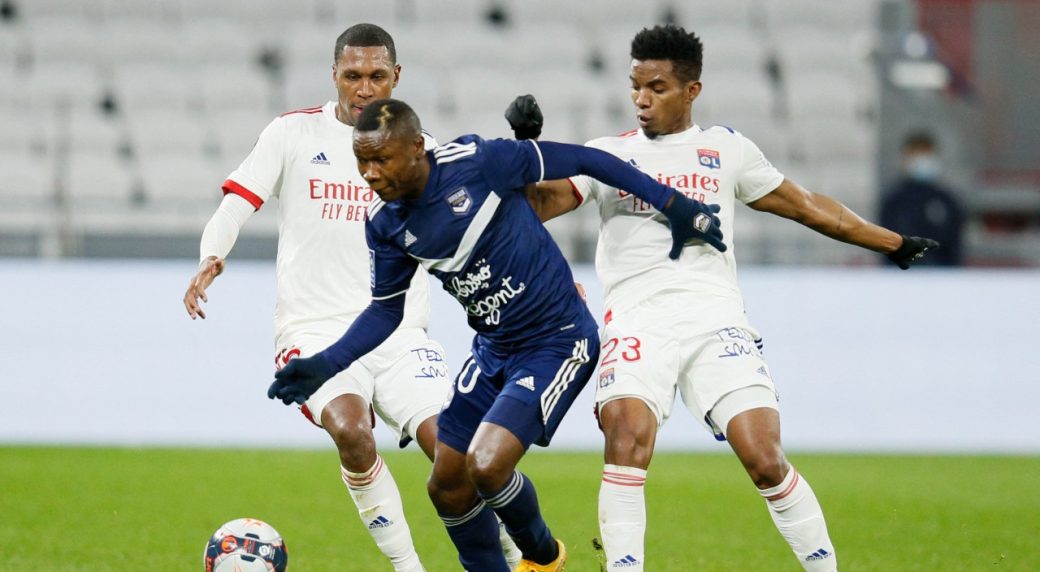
(461, 213)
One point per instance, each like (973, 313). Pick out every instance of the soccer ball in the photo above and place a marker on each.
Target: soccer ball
(246, 545)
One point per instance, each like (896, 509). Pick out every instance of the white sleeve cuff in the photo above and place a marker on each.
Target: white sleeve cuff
(221, 231)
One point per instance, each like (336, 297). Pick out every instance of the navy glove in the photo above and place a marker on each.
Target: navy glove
(692, 219)
(912, 250)
(300, 378)
(525, 117)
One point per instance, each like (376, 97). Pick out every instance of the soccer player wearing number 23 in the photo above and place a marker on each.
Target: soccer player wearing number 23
(460, 212)
(679, 326)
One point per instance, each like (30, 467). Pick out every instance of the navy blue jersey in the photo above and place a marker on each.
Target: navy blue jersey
(473, 229)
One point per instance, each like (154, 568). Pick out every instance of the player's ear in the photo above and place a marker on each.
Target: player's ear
(692, 90)
(397, 74)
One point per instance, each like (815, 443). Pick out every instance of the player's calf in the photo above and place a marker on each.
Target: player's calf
(470, 523)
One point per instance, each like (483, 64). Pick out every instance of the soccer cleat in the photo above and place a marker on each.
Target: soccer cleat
(601, 554)
(554, 566)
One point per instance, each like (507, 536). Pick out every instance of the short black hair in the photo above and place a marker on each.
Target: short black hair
(363, 36)
(684, 49)
(389, 114)
(919, 140)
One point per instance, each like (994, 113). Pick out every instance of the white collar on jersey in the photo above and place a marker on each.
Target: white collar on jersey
(329, 111)
(680, 137)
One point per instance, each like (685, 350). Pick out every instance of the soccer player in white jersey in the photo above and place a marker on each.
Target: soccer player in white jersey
(681, 325)
(305, 158)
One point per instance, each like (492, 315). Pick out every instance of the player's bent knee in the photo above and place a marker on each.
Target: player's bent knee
(627, 450)
(356, 444)
(630, 430)
(448, 497)
(489, 472)
(767, 468)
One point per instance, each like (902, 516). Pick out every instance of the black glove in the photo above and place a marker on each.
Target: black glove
(525, 117)
(912, 250)
(692, 219)
(300, 378)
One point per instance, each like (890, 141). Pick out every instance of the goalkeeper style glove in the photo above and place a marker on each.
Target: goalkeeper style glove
(690, 219)
(911, 250)
(525, 117)
(300, 378)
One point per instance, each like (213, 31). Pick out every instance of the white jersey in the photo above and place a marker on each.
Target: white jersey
(715, 166)
(306, 159)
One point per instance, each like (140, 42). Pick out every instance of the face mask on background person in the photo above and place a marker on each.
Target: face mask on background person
(923, 167)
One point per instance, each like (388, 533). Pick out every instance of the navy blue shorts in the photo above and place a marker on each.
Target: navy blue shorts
(527, 390)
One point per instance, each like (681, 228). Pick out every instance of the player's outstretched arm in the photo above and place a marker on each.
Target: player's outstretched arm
(218, 238)
(833, 219)
(549, 199)
(301, 377)
(688, 219)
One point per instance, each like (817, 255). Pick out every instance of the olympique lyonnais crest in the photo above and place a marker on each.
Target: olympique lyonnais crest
(606, 377)
(460, 201)
(709, 158)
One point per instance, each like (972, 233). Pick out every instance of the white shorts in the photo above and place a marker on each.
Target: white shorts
(405, 379)
(647, 356)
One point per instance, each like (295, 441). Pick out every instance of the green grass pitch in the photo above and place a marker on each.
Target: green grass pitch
(93, 509)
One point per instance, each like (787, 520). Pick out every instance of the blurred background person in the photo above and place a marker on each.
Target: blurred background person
(920, 204)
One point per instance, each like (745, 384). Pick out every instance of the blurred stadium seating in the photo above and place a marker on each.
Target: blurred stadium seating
(131, 111)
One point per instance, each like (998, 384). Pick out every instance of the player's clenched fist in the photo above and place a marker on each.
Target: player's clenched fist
(208, 271)
(525, 117)
(300, 378)
(692, 219)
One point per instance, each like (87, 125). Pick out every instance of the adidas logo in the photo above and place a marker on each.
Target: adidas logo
(320, 159)
(625, 562)
(380, 522)
(818, 555)
(526, 382)
(409, 238)
(762, 370)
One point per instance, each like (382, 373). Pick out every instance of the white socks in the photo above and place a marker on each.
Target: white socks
(799, 518)
(792, 505)
(379, 504)
(622, 517)
(509, 548)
